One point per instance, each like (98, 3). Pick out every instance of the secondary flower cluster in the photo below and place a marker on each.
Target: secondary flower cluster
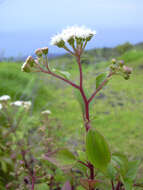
(32, 63)
(5, 99)
(72, 34)
(119, 67)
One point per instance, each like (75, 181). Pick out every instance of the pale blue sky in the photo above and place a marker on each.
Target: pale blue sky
(29, 24)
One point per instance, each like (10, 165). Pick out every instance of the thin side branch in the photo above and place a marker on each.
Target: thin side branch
(59, 77)
(100, 87)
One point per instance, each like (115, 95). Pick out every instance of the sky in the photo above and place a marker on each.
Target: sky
(29, 24)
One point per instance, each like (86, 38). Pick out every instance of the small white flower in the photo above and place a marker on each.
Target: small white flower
(0, 106)
(25, 104)
(4, 98)
(46, 112)
(56, 39)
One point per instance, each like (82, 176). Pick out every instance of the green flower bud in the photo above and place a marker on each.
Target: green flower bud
(45, 50)
(60, 44)
(113, 67)
(30, 61)
(126, 77)
(39, 52)
(71, 41)
(113, 61)
(121, 63)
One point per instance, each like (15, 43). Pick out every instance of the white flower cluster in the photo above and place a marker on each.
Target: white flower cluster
(73, 33)
(25, 104)
(0, 106)
(46, 112)
(4, 98)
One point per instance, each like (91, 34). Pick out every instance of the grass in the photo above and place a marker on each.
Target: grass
(117, 111)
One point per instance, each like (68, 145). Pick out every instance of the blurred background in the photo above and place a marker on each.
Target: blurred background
(29, 24)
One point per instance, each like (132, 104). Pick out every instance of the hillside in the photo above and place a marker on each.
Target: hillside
(117, 110)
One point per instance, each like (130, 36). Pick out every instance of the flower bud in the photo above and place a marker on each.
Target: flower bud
(30, 61)
(45, 50)
(25, 68)
(39, 52)
(127, 70)
(61, 44)
(71, 41)
(121, 63)
(113, 67)
(113, 61)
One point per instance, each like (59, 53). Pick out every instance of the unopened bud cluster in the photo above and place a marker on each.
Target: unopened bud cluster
(31, 63)
(119, 67)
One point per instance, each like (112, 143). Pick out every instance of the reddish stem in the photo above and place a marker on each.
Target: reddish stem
(118, 185)
(86, 103)
(84, 164)
(113, 188)
(33, 182)
(59, 77)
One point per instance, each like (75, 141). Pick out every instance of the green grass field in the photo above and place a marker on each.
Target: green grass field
(117, 111)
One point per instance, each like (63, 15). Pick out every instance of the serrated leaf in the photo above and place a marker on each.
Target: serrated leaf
(63, 159)
(100, 78)
(97, 150)
(67, 186)
(65, 74)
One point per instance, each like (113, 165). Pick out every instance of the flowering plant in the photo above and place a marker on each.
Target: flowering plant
(97, 163)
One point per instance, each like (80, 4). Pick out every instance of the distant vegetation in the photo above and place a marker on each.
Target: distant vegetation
(117, 111)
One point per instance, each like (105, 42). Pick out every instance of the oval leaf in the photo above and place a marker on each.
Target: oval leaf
(100, 78)
(63, 159)
(97, 150)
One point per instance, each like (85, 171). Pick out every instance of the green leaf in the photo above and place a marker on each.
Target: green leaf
(111, 171)
(121, 163)
(41, 186)
(65, 74)
(128, 185)
(132, 169)
(97, 150)
(100, 78)
(63, 159)
(4, 166)
(82, 155)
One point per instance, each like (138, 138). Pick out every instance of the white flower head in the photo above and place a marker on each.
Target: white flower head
(4, 98)
(0, 106)
(73, 33)
(48, 112)
(58, 40)
(25, 104)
